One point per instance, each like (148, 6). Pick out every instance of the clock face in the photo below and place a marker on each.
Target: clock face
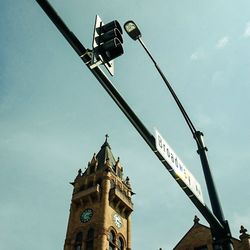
(117, 220)
(86, 215)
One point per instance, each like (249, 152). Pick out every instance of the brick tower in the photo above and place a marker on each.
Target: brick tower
(101, 206)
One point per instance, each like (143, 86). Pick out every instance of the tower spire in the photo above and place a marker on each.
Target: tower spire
(105, 154)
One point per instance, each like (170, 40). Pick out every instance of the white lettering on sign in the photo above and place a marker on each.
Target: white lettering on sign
(177, 166)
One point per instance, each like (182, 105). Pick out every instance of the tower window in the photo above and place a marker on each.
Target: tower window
(78, 241)
(90, 239)
(120, 244)
(111, 240)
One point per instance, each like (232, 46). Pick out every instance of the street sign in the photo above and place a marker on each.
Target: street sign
(177, 166)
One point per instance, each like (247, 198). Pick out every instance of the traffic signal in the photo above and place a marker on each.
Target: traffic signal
(107, 42)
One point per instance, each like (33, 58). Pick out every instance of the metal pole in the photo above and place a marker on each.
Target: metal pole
(224, 239)
(221, 239)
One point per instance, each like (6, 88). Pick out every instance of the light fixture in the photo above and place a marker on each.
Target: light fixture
(132, 30)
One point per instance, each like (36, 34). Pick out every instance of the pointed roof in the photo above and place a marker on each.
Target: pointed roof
(198, 234)
(105, 155)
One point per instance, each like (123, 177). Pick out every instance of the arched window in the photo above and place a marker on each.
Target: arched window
(78, 241)
(120, 244)
(111, 240)
(90, 239)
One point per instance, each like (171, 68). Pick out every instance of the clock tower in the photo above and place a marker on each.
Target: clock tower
(101, 206)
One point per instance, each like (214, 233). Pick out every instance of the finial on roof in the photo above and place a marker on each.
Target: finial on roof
(243, 233)
(107, 136)
(93, 160)
(127, 181)
(79, 172)
(243, 230)
(196, 219)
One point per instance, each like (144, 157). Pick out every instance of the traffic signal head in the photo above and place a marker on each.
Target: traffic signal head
(107, 42)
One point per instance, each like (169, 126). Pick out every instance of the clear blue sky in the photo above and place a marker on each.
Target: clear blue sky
(54, 114)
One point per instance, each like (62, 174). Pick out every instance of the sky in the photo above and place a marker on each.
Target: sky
(54, 114)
